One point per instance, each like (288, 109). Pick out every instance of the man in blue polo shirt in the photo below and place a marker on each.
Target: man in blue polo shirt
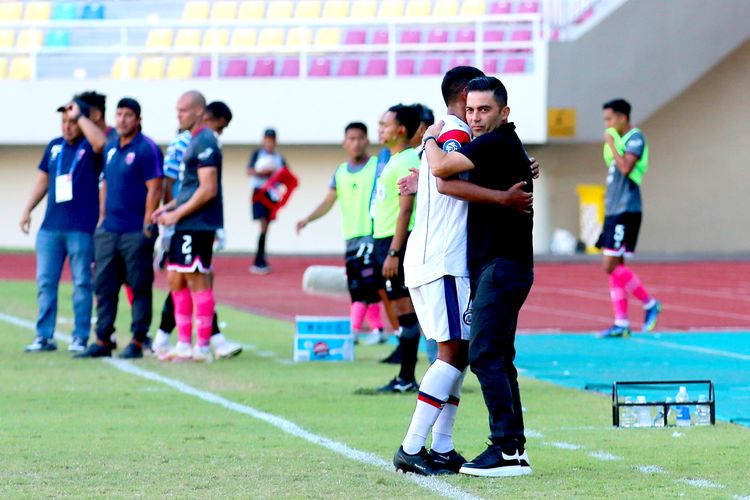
(68, 176)
(124, 240)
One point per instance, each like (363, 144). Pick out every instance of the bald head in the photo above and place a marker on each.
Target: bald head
(190, 107)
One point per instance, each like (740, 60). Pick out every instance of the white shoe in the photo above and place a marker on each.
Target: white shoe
(374, 338)
(260, 269)
(223, 348)
(202, 354)
(161, 344)
(182, 351)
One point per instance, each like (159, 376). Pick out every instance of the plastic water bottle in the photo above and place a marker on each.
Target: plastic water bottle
(659, 417)
(702, 412)
(643, 413)
(682, 411)
(627, 418)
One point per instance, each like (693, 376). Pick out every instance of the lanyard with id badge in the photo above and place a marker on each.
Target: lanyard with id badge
(64, 182)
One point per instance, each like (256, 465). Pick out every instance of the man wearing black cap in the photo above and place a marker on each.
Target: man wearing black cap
(263, 163)
(124, 239)
(68, 175)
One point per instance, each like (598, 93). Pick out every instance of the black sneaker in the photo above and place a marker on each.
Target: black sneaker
(418, 464)
(450, 461)
(132, 351)
(393, 358)
(96, 350)
(399, 385)
(148, 345)
(41, 344)
(493, 462)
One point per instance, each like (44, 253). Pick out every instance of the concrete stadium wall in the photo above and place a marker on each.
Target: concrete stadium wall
(695, 193)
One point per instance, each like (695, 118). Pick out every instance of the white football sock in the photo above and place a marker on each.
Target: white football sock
(442, 430)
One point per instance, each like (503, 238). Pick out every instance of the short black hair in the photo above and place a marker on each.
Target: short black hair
(408, 116)
(490, 84)
(219, 109)
(426, 115)
(618, 106)
(356, 126)
(456, 80)
(93, 99)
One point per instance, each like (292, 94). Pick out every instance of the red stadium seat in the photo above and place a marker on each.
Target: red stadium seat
(264, 67)
(490, 66)
(377, 66)
(380, 37)
(460, 61)
(437, 35)
(500, 8)
(204, 68)
(521, 36)
(432, 66)
(494, 35)
(290, 67)
(236, 68)
(466, 35)
(320, 66)
(528, 7)
(348, 67)
(405, 66)
(514, 66)
(410, 36)
(355, 37)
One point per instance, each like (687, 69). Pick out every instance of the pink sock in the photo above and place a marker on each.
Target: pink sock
(358, 311)
(373, 316)
(129, 295)
(204, 315)
(619, 299)
(631, 283)
(183, 314)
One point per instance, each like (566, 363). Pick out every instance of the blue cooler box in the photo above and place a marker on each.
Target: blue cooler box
(323, 338)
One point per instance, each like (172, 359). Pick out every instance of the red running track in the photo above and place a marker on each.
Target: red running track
(567, 297)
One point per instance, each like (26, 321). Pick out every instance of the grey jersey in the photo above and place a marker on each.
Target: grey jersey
(203, 151)
(624, 195)
(263, 159)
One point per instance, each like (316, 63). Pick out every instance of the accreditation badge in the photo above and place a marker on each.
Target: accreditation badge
(63, 188)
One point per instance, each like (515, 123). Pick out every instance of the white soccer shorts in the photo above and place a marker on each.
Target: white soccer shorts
(443, 307)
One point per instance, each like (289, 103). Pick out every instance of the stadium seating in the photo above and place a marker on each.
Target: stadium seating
(410, 36)
(243, 38)
(10, 11)
(514, 66)
(500, 8)
(180, 68)
(124, 67)
(20, 68)
(418, 8)
(204, 68)
(472, 8)
(195, 10)
(152, 68)
(528, 7)
(290, 67)
(377, 66)
(64, 11)
(264, 67)
(348, 67)
(271, 37)
(3, 67)
(320, 66)
(189, 38)
(57, 38)
(327, 37)
(432, 66)
(92, 11)
(445, 8)
(380, 37)
(364, 8)
(217, 37)
(391, 8)
(405, 66)
(355, 37)
(336, 9)
(159, 38)
(299, 37)
(280, 9)
(7, 37)
(236, 67)
(37, 11)
(29, 39)
(307, 9)
(437, 35)
(224, 10)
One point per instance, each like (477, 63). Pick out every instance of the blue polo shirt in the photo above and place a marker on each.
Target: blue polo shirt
(82, 212)
(126, 171)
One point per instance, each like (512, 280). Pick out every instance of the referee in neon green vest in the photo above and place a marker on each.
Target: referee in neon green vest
(626, 156)
(352, 185)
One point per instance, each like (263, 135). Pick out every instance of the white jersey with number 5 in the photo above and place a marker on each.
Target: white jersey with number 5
(437, 244)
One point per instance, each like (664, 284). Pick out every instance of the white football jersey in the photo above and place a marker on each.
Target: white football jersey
(437, 244)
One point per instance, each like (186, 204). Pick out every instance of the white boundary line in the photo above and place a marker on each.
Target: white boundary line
(429, 483)
(701, 350)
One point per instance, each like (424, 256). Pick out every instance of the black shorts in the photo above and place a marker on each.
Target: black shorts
(394, 287)
(260, 211)
(191, 251)
(620, 234)
(363, 275)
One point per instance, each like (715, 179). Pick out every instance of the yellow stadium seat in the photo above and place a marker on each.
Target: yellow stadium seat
(473, 8)
(418, 8)
(364, 8)
(188, 39)
(391, 8)
(280, 9)
(180, 68)
(297, 37)
(271, 37)
(445, 8)
(159, 38)
(10, 11)
(124, 67)
(3, 67)
(6, 39)
(224, 11)
(29, 39)
(20, 68)
(244, 37)
(195, 11)
(251, 10)
(308, 9)
(215, 38)
(327, 37)
(152, 68)
(333, 9)
(37, 11)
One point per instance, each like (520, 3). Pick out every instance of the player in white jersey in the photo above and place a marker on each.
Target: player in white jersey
(436, 272)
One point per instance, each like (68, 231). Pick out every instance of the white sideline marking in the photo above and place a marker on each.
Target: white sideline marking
(702, 483)
(532, 433)
(702, 350)
(603, 455)
(650, 469)
(430, 483)
(565, 446)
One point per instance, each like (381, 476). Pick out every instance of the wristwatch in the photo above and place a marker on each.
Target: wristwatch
(392, 253)
(426, 140)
